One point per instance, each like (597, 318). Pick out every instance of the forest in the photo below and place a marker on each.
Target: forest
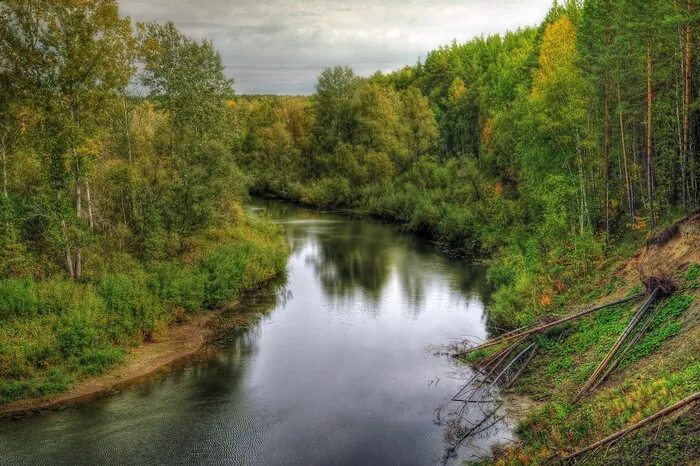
(121, 208)
(546, 155)
(545, 151)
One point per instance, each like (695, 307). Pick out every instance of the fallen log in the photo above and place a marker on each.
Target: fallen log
(620, 341)
(664, 412)
(522, 368)
(542, 328)
(637, 338)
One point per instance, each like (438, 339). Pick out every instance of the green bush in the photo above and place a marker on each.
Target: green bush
(134, 311)
(57, 381)
(181, 286)
(12, 389)
(78, 333)
(98, 360)
(56, 295)
(18, 298)
(225, 267)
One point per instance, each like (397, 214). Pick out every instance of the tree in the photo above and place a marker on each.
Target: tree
(421, 127)
(72, 57)
(186, 79)
(333, 106)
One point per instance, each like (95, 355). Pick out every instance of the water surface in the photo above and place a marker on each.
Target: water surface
(342, 369)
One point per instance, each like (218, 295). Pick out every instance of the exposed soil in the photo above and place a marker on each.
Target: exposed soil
(669, 250)
(183, 341)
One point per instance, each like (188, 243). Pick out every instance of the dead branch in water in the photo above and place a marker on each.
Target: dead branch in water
(463, 433)
(664, 412)
(523, 366)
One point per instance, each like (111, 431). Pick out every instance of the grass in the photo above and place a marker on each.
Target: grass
(55, 332)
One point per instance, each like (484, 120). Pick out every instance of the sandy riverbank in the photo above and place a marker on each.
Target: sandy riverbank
(183, 341)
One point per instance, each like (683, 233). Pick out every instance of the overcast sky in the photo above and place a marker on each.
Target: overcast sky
(280, 46)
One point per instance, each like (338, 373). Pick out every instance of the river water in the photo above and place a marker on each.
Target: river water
(344, 367)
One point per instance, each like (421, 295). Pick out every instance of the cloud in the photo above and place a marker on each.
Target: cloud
(280, 46)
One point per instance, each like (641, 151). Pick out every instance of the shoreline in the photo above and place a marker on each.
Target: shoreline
(184, 340)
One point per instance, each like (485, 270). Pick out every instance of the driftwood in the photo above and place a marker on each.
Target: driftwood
(620, 341)
(664, 412)
(542, 328)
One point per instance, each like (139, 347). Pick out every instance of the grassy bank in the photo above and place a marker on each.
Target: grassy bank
(658, 371)
(55, 332)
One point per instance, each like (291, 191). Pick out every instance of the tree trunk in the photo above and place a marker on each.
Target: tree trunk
(625, 166)
(649, 138)
(606, 154)
(78, 268)
(687, 87)
(89, 205)
(4, 167)
(69, 259)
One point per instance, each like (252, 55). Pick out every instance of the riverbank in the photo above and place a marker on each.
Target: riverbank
(661, 369)
(183, 341)
(61, 341)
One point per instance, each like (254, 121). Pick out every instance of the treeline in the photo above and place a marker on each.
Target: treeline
(120, 208)
(545, 149)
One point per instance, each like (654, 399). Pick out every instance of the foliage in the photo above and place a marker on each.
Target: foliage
(112, 204)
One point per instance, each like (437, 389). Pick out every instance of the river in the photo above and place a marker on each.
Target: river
(343, 368)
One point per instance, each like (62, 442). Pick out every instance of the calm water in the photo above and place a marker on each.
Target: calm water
(341, 370)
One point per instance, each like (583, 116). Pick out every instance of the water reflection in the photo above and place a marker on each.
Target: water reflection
(337, 371)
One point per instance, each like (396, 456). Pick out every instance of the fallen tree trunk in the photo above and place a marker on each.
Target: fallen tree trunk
(664, 412)
(627, 349)
(522, 367)
(544, 327)
(620, 341)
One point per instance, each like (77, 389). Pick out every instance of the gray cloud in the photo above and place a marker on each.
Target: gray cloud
(280, 46)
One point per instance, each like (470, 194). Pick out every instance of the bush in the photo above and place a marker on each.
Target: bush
(225, 266)
(57, 381)
(78, 334)
(56, 295)
(98, 360)
(134, 311)
(181, 286)
(18, 298)
(11, 390)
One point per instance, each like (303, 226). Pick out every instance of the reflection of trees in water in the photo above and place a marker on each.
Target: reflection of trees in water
(217, 376)
(353, 256)
(419, 268)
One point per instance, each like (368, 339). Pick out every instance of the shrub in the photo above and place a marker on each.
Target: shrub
(181, 286)
(78, 334)
(225, 267)
(57, 381)
(12, 390)
(132, 309)
(56, 295)
(98, 360)
(18, 298)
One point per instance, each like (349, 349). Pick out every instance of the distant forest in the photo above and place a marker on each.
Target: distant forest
(545, 149)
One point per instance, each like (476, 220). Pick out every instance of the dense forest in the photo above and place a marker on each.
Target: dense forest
(120, 208)
(546, 150)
